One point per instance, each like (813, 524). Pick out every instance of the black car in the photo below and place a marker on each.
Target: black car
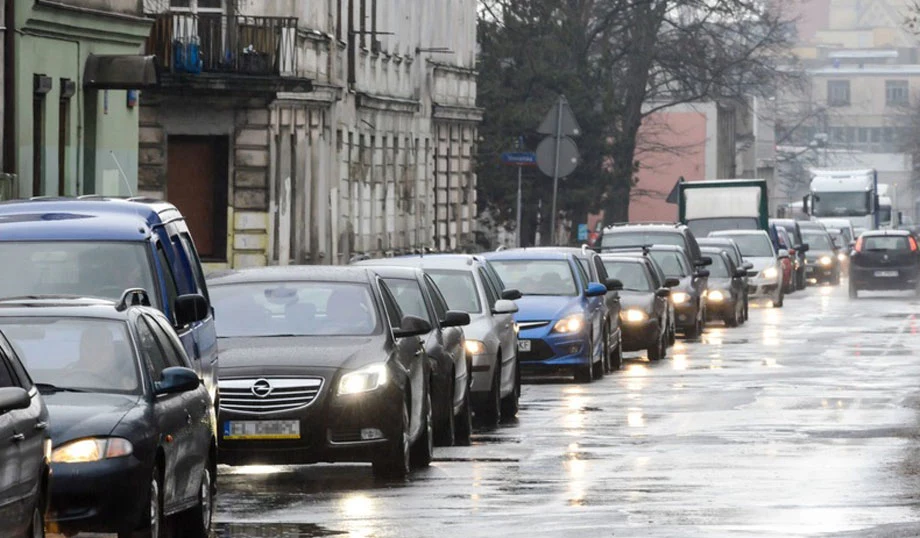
(319, 364)
(885, 260)
(644, 306)
(25, 448)
(417, 295)
(727, 285)
(821, 262)
(731, 248)
(639, 234)
(799, 246)
(132, 424)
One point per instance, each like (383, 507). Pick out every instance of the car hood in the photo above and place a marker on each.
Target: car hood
(73, 415)
(719, 283)
(286, 355)
(637, 299)
(479, 327)
(545, 307)
(761, 263)
(815, 254)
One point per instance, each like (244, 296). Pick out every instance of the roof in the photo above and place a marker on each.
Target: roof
(645, 226)
(621, 258)
(459, 262)
(61, 306)
(575, 251)
(393, 271)
(278, 273)
(89, 218)
(729, 233)
(528, 254)
(704, 241)
(886, 231)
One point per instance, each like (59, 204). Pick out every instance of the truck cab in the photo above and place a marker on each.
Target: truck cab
(723, 204)
(846, 193)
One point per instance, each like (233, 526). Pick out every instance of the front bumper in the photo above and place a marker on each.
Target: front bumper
(762, 287)
(820, 272)
(718, 309)
(640, 336)
(685, 315)
(482, 367)
(549, 350)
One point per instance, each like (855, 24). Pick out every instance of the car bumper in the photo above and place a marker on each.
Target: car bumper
(820, 272)
(549, 351)
(864, 278)
(639, 336)
(720, 308)
(100, 497)
(482, 373)
(758, 288)
(685, 316)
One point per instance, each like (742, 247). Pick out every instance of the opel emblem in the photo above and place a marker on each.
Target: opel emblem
(261, 388)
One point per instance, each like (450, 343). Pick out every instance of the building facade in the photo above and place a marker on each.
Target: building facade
(308, 132)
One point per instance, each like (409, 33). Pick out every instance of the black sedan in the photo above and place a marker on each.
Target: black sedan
(644, 309)
(885, 260)
(132, 425)
(727, 286)
(25, 449)
(821, 263)
(417, 295)
(319, 364)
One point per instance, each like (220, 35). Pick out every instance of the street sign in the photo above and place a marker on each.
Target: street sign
(568, 156)
(582, 232)
(519, 158)
(560, 121)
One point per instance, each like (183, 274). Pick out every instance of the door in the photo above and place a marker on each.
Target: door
(11, 501)
(453, 342)
(506, 336)
(196, 183)
(411, 356)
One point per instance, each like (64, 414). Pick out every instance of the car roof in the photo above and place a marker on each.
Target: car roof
(89, 218)
(575, 251)
(457, 262)
(619, 258)
(710, 240)
(396, 271)
(529, 254)
(880, 233)
(652, 227)
(713, 250)
(326, 273)
(729, 233)
(65, 307)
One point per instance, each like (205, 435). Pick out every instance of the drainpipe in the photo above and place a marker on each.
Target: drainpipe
(9, 87)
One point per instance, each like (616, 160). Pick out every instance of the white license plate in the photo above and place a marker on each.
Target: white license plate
(262, 429)
(524, 345)
(886, 274)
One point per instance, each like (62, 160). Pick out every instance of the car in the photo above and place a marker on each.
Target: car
(416, 294)
(469, 284)
(843, 247)
(25, 449)
(645, 305)
(725, 297)
(319, 364)
(885, 260)
(821, 264)
(661, 281)
(794, 229)
(591, 263)
(98, 247)
(765, 277)
(641, 234)
(731, 248)
(561, 313)
(811, 225)
(845, 227)
(783, 242)
(132, 424)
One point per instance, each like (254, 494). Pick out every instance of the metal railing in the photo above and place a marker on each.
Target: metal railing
(215, 43)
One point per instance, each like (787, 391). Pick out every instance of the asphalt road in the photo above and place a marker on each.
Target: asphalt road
(803, 422)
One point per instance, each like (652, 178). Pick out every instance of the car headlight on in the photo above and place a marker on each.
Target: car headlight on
(475, 347)
(364, 380)
(572, 323)
(716, 296)
(680, 297)
(841, 257)
(825, 260)
(770, 273)
(633, 315)
(92, 449)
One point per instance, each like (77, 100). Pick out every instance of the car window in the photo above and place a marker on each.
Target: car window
(818, 241)
(6, 374)
(600, 269)
(634, 276)
(492, 292)
(15, 364)
(753, 245)
(459, 289)
(170, 342)
(670, 263)
(538, 277)
(155, 358)
(172, 290)
(641, 238)
(718, 269)
(394, 314)
(881, 242)
(583, 273)
(409, 297)
(192, 253)
(440, 305)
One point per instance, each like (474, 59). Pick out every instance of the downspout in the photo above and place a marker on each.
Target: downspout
(9, 87)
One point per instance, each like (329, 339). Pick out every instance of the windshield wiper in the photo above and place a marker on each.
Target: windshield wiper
(48, 387)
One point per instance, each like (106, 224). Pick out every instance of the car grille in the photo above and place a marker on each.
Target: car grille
(753, 273)
(532, 324)
(263, 396)
(539, 351)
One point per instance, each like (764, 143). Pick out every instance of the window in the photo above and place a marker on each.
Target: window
(838, 93)
(362, 24)
(538, 277)
(583, 272)
(409, 297)
(491, 293)
(458, 289)
(601, 270)
(375, 45)
(154, 357)
(6, 376)
(897, 92)
(68, 88)
(440, 305)
(338, 28)
(196, 5)
(172, 291)
(863, 135)
(394, 314)
(632, 274)
(172, 350)
(38, 136)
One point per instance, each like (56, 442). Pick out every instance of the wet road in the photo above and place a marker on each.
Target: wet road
(800, 423)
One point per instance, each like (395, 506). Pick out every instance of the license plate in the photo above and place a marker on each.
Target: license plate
(886, 274)
(262, 429)
(524, 345)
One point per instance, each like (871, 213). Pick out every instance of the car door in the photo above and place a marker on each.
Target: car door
(453, 340)
(594, 306)
(12, 507)
(506, 335)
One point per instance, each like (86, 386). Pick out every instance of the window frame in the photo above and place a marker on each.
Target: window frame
(897, 88)
(438, 301)
(838, 93)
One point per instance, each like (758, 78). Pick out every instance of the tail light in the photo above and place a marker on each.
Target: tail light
(913, 243)
(859, 243)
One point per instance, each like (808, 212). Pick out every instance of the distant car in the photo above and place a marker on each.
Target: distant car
(645, 307)
(843, 248)
(844, 225)
(794, 229)
(885, 260)
(639, 234)
(765, 278)
(469, 284)
(783, 242)
(821, 263)
(25, 447)
(132, 424)
(661, 280)
(725, 300)
(319, 364)
(731, 248)
(561, 313)
(417, 295)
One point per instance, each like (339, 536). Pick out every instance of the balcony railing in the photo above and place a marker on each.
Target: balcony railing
(187, 43)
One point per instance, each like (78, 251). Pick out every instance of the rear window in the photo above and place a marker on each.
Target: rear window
(671, 263)
(890, 242)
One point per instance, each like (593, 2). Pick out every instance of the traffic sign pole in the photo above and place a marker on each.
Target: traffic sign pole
(517, 240)
(552, 233)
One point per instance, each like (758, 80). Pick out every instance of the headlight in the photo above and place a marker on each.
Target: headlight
(825, 260)
(841, 257)
(475, 347)
(716, 296)
(570, 324)
(770, 273)
(680, 297)
(364, 380)
(633, 315)
(92, 449)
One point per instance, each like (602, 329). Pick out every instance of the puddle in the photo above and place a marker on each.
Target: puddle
(282, 530)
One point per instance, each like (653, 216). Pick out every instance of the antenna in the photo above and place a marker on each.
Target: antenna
(124, 176)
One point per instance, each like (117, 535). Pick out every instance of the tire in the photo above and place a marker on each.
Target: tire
(616, 360)
(422, 451)
(37, 526)
(491, 414)
(800, 280)
(779, 302)
(599, 369)
(155, 526)
(463, 428)
(731, 320)
(444, 432)
(395, 463)
(747, 309)
(672, 335)
(196, 522)
(606, 362)
(584, 374)
(510, 403)
(659, 350)
(697, 329)
(854, 293)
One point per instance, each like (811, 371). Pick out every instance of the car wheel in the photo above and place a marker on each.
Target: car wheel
(854, 293)
(616, 360)
(423, 449)
(672, 334)
(747, 309)
(156, 524)
(197, 521)
(37, 527)
(444, 433)
(395, 463)
(492, 411)
(697, 329)
(731, 320)
(657, 351)
(606, 362)
(599, 369)
(463, 429)
(585, 374)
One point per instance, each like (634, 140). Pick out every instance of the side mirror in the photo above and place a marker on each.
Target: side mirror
(595, 289)
(13, 398)
(803, 247)
(740, 273)
(664, 293)
(412, 326)
(783, 253)
(191, 308)
(747, 266)
(702, 273)
(852, 244)
(177, 379)
(455, 318)
(704, 261)
(512, 294)
(504, 306)
(671, 282)
(614, 284)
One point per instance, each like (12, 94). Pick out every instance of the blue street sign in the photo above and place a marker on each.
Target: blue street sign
(519, 158)
(582, 232)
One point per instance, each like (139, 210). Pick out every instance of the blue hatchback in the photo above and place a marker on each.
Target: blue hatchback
(560, 315)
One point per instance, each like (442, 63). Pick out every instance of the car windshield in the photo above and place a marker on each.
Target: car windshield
(92, 355)
(458, 289)
(409, 297)
(298, 308)
(885, 242)
(640, 238)
(718, 269)
(671, 263)
(817, 240)
(633, 275)
(752, 245)
(87, 269)
(537, 277)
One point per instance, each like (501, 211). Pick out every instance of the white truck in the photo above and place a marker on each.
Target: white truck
(845, 193)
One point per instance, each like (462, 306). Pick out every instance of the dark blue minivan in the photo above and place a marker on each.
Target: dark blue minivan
(100, 247)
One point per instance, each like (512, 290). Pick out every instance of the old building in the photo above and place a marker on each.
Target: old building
(306, 132)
